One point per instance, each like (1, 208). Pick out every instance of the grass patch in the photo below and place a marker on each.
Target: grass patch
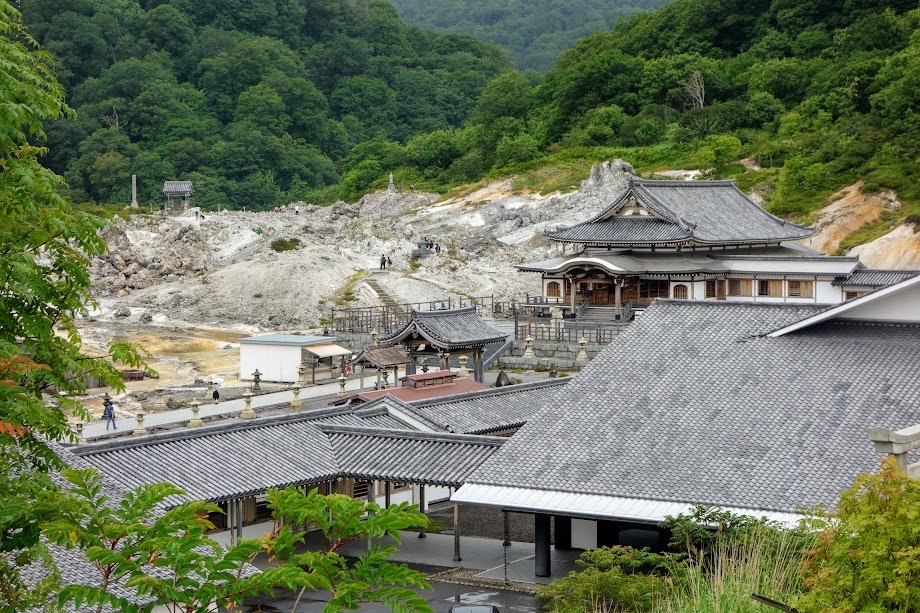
(887, 221)
(109, 211)
(346, 293)
(285, 244)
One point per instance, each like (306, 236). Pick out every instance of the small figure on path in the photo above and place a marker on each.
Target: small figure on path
(296, 209)
(383, 262)
(437, 248)
(389, 262)
(108, 414)
(216, 394)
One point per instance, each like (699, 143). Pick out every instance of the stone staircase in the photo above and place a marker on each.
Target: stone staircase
(386, 299)
(598, 314)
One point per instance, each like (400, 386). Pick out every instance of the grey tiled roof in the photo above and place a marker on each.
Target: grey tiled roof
(702, 212)
(449, 329)
(436, 458)
(243, 458)
(692, 404)
(865, 277)
(492, 410)
(175, 187)
(381, 357)
(624, 231)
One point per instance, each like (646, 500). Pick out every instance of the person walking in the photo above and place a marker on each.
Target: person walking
(383, 262)
(296, 209)
(108, 414)
(389, 262)
(216, 394)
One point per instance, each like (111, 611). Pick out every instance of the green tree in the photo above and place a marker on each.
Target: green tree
(868, 552)
(144, 555)
(44, 285)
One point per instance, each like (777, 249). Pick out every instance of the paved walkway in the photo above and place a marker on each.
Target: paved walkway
(486, 555)
(225, 407)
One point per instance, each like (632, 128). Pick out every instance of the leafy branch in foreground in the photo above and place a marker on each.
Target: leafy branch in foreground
(342, 519)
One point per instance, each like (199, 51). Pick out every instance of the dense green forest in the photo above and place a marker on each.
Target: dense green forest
(255, 102)
(260, 103)
(534, 32)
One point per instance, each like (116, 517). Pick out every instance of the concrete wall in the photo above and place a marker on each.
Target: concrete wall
(275, 362)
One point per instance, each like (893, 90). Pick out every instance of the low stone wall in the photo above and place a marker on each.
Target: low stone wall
(547, 354)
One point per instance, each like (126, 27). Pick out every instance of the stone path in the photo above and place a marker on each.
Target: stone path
(128, 423)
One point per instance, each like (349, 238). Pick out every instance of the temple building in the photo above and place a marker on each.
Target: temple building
(687, 240)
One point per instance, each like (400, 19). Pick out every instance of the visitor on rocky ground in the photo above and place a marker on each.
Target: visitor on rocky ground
(216, 394)
(437, 248)
(383, 262)
(389, 262)
(297, 209)
(108, 414)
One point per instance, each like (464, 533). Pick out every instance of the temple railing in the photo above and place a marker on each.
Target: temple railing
(567, 331)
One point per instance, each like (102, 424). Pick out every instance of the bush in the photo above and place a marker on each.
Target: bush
(285, 244)
(615, 579)
(868, 552)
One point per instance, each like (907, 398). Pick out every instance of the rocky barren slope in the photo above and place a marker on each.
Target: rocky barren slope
(220, 270)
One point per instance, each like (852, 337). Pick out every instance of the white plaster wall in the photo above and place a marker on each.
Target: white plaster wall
(434, 493)
(827, 293)
(584, 534)
(901, 306)
(276, 362)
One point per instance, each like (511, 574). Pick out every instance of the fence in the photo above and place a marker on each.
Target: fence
(390, 318)
(568, 331)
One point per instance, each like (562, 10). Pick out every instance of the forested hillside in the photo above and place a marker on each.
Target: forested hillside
(252, 101)
(262, 103)
(818, 94)
(535, 32)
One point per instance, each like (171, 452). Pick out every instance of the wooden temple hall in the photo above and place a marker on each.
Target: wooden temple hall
(684, 240)
(432, 338)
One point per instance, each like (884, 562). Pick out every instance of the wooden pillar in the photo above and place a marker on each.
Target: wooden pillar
(507, 521)
(618, 293)
(239, 518)
(396, 376)
(541, 545)
(378, 380)
(421, 508)
(562, 532)
(386, 494)
(573, 289)
(457, 557)
(362, 377)
(445, 361)
(411, 366)
(371, 498)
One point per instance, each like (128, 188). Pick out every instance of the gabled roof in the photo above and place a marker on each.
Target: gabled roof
(436, 458)
(244, 458)
(448, 329)
(873, 278)
(177, 187)
(381, 357)
(899, 303)
(492, 410)
(695, 404)
(683, 212)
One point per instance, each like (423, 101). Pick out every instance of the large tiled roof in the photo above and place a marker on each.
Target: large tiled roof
(492, 410)
(869, 278)
(449, 329)
(237, 459)
(435, 458)
(691, 212)
(624, 230)
(693, 404)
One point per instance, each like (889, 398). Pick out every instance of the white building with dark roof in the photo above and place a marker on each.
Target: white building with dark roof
(687, 240)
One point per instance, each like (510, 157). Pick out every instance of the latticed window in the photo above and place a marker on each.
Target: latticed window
(772, 288)
(360, 490)
(801, 289)
(680, 292)
(553, 289)
(711, 288)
